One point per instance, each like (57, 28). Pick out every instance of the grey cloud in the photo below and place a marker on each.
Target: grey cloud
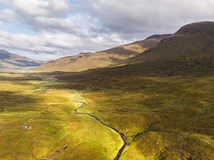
(63, 28)
(55, 43)
(59, 35)
(46, 8)
(6, 15)
(149, 16)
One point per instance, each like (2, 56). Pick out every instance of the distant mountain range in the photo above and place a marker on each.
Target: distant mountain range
(111, 57)
(12, 61)
(190, 48)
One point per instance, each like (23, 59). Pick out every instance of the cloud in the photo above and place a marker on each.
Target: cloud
(148, 16)
(58, 31)
(43, 15)
(6, 15)
(65, 27)
(60, 44)
(47, 8)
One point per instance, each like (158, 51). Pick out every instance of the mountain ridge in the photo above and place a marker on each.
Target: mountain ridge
(191, 47)
(101, 59)
(13, 61)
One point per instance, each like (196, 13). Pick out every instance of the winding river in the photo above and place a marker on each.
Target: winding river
(123, 137)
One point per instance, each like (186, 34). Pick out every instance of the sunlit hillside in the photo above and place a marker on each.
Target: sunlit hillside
(107, 58)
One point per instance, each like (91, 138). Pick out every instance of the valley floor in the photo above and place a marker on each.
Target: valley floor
(169, 118)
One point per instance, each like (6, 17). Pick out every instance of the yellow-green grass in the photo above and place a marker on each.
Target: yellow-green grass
(163, 117)
(37, 122)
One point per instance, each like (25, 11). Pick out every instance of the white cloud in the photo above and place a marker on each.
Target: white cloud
(62, 28)
(46, 8)
(56, 35)
(61, 44)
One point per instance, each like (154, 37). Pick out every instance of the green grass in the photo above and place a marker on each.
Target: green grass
(164, 118)
(55, 133)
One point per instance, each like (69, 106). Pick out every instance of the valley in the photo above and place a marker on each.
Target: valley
(51, 125)
(162, 117)
(153, 103)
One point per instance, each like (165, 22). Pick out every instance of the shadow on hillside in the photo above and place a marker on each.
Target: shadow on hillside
(24, 78)
(14, 101)
(121, 79)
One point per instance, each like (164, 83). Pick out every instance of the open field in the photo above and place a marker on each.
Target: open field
(37, 122)
(162, 117)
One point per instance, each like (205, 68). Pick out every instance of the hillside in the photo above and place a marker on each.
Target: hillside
(162, 101)
(12, 61)
(110, 57)
(190, 48)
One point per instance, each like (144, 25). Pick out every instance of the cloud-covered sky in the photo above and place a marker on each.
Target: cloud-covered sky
(49, 29)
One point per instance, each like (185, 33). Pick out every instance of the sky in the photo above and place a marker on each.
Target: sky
(50, 29)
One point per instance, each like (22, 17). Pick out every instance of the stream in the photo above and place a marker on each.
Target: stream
(123, 137)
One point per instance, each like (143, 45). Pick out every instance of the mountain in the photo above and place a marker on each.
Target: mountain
(190, 48)
(189, 51)
(106, 58)
(12, 61)
(162, 100)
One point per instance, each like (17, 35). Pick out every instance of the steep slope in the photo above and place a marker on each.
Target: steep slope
(191, 47)
(110, 57)
(12, 61)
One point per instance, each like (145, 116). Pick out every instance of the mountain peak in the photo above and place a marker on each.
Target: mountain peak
(159, 36)
(198, 27)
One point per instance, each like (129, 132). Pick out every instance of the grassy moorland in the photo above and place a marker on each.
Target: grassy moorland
(37, 122)
(162, 117)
